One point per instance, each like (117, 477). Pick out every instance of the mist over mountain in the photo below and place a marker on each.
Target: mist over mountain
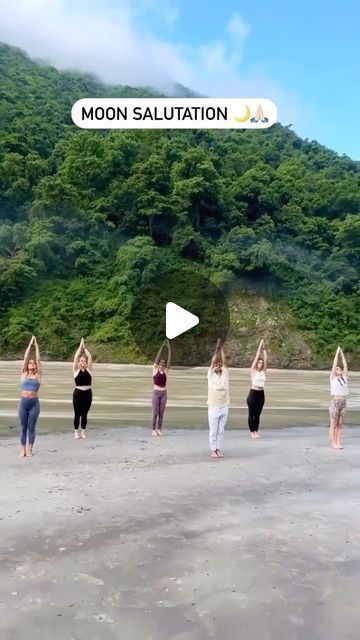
(87, 216)
(179, 91)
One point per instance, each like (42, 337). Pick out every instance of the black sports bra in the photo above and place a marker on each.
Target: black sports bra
(83, 379)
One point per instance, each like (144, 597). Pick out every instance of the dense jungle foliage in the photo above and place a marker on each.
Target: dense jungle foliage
(86, 217)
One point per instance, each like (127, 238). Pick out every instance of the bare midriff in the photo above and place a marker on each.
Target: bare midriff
(29, 394)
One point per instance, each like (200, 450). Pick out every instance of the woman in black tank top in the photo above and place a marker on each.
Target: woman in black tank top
(82, 396)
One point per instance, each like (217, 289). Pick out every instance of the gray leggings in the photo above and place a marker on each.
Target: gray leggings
(159, 399)
(29, 410)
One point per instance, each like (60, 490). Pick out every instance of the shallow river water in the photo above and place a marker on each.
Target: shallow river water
(122, 397)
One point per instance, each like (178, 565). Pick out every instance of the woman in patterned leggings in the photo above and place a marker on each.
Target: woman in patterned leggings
(339, 393)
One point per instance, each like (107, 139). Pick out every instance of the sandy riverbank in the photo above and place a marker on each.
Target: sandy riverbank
(124, 536)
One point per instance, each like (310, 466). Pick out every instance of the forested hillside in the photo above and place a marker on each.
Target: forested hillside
(87, 216)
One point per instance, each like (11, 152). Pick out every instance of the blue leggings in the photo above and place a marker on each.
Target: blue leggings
(29, 410)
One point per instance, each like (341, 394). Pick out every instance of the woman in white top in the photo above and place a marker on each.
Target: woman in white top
(339, 392)
(256, 398)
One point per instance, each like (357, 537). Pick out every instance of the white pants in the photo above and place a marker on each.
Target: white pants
(217, 421)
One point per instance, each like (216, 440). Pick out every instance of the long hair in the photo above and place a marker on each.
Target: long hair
(36, 368)
(83, 357)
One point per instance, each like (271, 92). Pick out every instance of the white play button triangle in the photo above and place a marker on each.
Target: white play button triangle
(178, 320)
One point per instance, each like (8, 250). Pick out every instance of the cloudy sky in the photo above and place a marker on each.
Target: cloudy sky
(302, 55)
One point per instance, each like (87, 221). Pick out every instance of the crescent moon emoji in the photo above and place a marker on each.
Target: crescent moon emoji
(245, 117)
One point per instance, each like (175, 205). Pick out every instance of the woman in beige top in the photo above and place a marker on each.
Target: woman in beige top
(218, 399)
(256, 397)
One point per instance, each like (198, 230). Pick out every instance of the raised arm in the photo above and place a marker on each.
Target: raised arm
(253, 366)
(223, 357)
(335, 361)
(158, 355)
(37, 356)
(77, 355)
(264, 356)
(344, 363)
(27, 355)
(168, 362)
(217, 354)
(89, 358)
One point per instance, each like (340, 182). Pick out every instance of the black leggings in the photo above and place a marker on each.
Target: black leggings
(255, 402)
(81, 403)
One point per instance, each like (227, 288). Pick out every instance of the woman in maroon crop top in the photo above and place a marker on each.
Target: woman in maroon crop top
(82, 396)
(159, 396)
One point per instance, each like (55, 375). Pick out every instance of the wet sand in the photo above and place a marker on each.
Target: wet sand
(122, 397)
(125, 536)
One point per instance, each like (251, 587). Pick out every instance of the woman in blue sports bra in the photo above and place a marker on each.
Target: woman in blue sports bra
(29, 406)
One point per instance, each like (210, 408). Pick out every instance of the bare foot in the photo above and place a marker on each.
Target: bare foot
(22, 454)
(214, 454)
(335, 446)
(159, 432)
(154, 433)
(219, 454)
(83, 434)
(257, 436)
(76, 435)
(253, 436)
(29, 454)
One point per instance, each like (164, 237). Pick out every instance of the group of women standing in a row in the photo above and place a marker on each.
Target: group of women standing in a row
(29, 406)
(219, 398)
(218, 394)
